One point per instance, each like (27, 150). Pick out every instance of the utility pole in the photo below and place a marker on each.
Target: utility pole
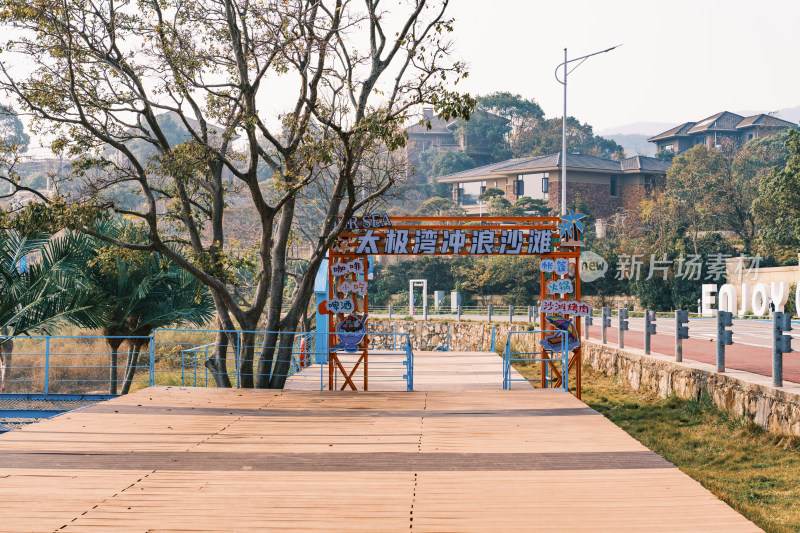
(564, 121)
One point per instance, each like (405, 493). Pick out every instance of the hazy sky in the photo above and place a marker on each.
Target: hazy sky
(680, 60)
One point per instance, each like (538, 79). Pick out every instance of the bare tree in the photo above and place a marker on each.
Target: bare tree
(96, 74)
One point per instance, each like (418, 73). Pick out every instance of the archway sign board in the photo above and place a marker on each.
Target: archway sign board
(557, 241)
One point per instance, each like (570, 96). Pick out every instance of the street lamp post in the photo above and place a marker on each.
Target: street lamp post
(564, 122)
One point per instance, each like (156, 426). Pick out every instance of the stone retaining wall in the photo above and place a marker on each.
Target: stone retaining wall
(465, 335)
(775, 410)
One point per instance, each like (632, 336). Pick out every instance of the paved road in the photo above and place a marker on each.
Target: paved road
(746, 332)
(751, 351)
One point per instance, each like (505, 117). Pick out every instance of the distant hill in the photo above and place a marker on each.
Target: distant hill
(638, 128)
(633, 143)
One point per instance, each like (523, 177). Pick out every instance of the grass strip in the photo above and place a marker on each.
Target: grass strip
(755, 472)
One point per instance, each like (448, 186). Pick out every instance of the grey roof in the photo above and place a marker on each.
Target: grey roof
(642, 162)
(724, 120)
(553, 161)
(764, 121)
(577, 161)
(677, 131)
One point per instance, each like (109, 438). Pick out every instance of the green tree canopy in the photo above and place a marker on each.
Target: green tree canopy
(777, 207)
(330, 146)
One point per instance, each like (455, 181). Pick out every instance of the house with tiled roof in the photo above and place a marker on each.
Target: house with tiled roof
(607, 185)
(443, 136)
(713, 130)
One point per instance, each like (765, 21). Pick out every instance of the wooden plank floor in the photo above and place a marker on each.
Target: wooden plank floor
(433, 370)
(169, 459)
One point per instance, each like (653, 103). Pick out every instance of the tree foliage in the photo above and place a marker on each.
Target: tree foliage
(777, 207)
(98, 76)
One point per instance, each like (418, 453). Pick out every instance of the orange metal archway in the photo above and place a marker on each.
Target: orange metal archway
(383, 235)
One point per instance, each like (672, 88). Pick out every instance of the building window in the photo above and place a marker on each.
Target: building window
(749, 136)
(483, 187)
(545, 184)
(700, 140)
(613, 189)
(520, 188)
(668, 148)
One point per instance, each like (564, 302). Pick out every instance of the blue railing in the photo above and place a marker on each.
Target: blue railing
(81, 364)
(511, 356)
(390, 363)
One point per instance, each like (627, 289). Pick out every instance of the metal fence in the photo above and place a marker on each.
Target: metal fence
(390, 364)
(531, 366)
(85, 364)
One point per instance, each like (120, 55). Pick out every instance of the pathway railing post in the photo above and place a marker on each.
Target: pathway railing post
(605, 319)
(681, 332)
(724, 337)
(459, 313)
(530, 314)
(493, 348)
(491, 308)
(622, 315)
(390, 311)
(47, 365)
(781, 344)
(152, 359)
(238, 351)
(649, 328)
(447, 347)
(510, 314)
(535, 315)
(587, 321)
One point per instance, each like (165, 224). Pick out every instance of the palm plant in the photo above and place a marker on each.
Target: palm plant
(39, 288)
(39, 285)
(143, 291)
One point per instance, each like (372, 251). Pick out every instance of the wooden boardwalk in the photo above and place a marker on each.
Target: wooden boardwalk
(433, 370)
(169, 460)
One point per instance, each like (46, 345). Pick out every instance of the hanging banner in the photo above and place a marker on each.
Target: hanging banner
(560, 286)
(572, 307)
(351, 332)
(342, 305)
(353, 267)
(357, 287)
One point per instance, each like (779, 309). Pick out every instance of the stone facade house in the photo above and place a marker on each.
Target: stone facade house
(443, 136)
(713, 130)
(607, 185)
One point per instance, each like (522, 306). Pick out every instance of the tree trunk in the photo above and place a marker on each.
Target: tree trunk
(218, 364)
(130, 370)
(284, 361)
(246, 340)
(266, 359)
(112, 377)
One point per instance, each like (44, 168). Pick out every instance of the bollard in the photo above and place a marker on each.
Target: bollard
(649, 328)
(781, 344)
(587, 321)
(605, 318)
(510, 314)
(491, 308)
(530, 314)
(681, 332)
(724, 337)
(390, 312)
(459, 313)
(622, 315)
